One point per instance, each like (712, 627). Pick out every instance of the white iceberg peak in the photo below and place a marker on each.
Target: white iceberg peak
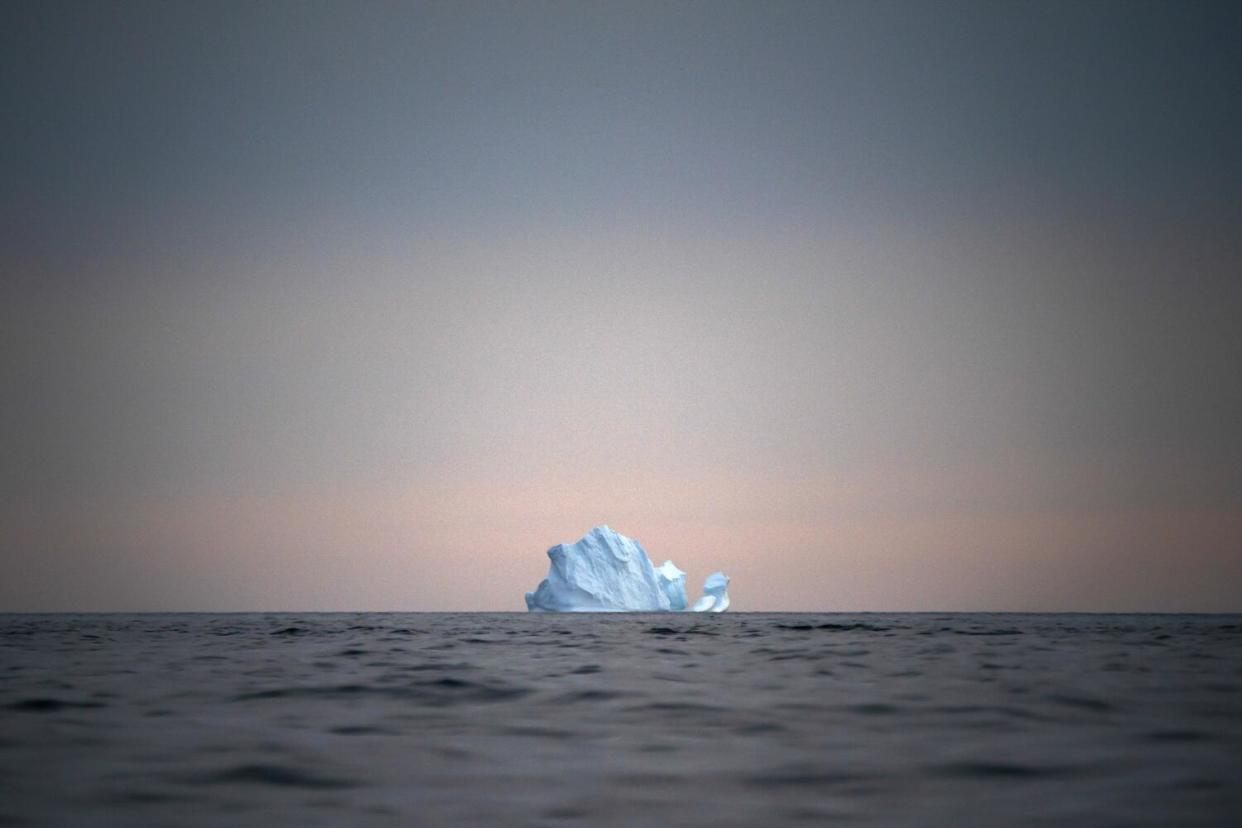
(605, 571)
(673, 583)
(715, 596)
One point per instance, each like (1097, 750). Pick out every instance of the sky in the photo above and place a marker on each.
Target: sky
(873, 306)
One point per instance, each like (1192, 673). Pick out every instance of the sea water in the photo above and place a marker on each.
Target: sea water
(675, 719)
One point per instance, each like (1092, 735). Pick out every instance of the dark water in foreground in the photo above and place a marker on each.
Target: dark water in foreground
(515, 719)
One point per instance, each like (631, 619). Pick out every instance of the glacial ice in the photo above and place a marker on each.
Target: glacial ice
(715, 598)
(673, 585)
(607, 572)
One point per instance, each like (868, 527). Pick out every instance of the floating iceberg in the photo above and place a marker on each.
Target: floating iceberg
(607, 572)
(715, 598)
(673, 585)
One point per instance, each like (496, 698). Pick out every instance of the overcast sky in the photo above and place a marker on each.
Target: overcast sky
(874, 306)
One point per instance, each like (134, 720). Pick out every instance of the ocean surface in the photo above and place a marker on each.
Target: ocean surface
(516, 719)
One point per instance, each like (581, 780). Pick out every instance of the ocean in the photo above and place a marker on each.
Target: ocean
(514, 719)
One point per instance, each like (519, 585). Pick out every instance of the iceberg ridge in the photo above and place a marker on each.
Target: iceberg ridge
(605, 571)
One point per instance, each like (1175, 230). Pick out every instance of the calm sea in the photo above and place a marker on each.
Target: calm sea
(626, 720)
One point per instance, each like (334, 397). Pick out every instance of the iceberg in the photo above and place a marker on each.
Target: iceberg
(673, 585)
(715, 597)
(605, 571)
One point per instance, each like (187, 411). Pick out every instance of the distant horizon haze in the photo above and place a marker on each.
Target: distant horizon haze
(884, 306)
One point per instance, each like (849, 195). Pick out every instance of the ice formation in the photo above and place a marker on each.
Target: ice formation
(673, 585)
(607, 572)
(715, 598)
